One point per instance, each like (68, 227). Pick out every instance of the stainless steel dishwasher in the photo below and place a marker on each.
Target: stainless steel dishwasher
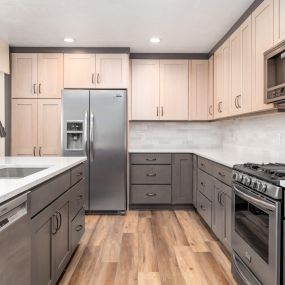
(15, 242)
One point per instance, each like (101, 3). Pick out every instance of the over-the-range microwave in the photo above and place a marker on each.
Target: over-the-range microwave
(275, 74)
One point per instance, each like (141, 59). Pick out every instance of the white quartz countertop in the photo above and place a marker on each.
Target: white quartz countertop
(225, 156)
(10, 188)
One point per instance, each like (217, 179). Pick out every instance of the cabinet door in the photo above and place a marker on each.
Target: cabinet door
(224, 106)
(279, 21)
(227, 202)
(182, 179)
(218, 82)
(262, 40)
(50, 75)
(218, 214)
(198, 87)
(145, 89)
(79, 70)
(62, 238)
(24, 127)
(211, 89)
(49, 126)
(24, 75)
(43, 227)
(112, 70)
(174, 89)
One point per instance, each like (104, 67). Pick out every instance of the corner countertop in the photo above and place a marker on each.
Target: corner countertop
(225, 156)
(10, 188)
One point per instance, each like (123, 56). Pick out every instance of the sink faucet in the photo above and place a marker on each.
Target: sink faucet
(2, 131)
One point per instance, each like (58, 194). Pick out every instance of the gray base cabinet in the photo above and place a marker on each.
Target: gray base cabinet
(56, 233)
(161, 179)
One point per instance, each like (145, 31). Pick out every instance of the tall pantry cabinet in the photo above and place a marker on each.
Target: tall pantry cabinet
(37, 81)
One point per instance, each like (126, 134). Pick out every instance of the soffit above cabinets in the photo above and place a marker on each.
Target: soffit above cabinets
(188, 26)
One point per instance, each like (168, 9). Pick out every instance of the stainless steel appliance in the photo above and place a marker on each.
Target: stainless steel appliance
(94, 124)
(15, 242)
(275, 74)
(257, 223)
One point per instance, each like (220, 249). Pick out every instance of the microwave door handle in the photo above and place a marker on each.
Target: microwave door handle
(262, 204)
(86, 131)
(91, 136)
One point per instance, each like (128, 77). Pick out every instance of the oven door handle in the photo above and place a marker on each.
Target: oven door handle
(262, 204)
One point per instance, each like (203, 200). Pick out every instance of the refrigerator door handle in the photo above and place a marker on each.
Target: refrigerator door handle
(86, 131)
(91, 136)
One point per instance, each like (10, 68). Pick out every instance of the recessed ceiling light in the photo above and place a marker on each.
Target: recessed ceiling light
(69, 40)
(155, 40)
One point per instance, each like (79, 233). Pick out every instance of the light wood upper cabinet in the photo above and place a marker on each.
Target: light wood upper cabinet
(112, 70)
(50, 75)
(145, 89)
(79, 71)
(211, 89)
(262, 40)
(49, 126)
(224, 106)
(24, 127)
(198, 89)
(174, 89)
(240, 69)
(24, 75)
(279, 21)
(218, 82)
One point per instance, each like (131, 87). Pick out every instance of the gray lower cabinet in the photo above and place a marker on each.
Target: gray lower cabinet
(55, 235)
(195, 180)
(182, 179)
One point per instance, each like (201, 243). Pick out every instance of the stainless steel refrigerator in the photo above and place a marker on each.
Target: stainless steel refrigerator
(94, 124)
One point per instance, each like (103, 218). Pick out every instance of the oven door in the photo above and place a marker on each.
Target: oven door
(256, 234)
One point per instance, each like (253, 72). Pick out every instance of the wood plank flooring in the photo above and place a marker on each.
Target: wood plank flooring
(148, 248)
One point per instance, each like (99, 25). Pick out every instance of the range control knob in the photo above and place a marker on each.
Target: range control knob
(240, 178)
(258, 185)
(235, 176)
(263, 188)
(254, 184)
(247, 180)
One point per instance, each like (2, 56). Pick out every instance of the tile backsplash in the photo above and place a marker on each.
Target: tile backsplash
(261, 133)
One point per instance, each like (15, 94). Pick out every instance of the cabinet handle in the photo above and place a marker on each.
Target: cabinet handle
(79, 174)
(202, 208)
(92, 80)
(35, 88)
(211, 110)
(202, 164)
(35, 149)
(40, 151)
(221, 174)
(202, 183)
(151, 159)
(79, 228)
(98, 78)
(221, 200)
(220, 107)
(161, 111)
(236, 104)
(238, 101)
(56, 228)
(79, 197)
(151, 174)
(157, 111)
(60, 220)
(40, 88)
(150, 194)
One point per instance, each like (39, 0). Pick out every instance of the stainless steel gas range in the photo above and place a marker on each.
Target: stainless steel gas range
(257, 223)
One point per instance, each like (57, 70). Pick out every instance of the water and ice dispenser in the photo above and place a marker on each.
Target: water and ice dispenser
(75, 135)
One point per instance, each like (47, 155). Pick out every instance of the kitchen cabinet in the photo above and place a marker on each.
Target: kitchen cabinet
(36, 126)
(112, 70)
(279, 21)
(198, 90)
(195, 179)
(79, 70)
(37, 75)
(24, 127)
(262, 40)
(211, 89)
(182, 179)
(96, 70)
(218, 82)
(240, 69)
(173, 90)
(4, 57)
(145, 90)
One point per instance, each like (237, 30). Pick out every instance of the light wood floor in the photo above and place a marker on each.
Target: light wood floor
(148, 248)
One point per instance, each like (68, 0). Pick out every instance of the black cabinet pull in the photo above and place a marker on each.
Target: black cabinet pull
(202, 164)
(60, 220)
(202, 183)
(79, 228)
(202, 208)
(150, 194)
(151, 174)
(79, 174)
(56, 228)
(221, 174)
(151, 159)
(79, 197)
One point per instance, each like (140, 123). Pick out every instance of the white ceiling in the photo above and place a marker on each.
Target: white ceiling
(182, 25)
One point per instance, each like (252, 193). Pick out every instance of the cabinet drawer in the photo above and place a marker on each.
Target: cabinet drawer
(46, 193)
(77, 173)
(205, 164)
(205, 184)
(151, 194)
(76, 198)
(151, 174)
(204, 208)
(151, 158)
(223, 174)
(77, 228)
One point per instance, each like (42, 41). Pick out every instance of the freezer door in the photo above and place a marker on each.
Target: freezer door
(75, 128)
(108, 150)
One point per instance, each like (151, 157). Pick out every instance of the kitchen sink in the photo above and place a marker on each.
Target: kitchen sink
(18, 172)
